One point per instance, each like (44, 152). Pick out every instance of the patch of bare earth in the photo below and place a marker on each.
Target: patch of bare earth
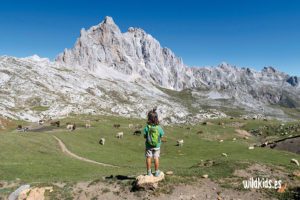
(203, 189)
(242, 133)
(272, 173)
(34, 193)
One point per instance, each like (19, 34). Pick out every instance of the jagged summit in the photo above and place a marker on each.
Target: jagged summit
(134, 53)
(108, 20)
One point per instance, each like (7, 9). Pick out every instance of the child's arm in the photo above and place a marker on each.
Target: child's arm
(145, 132)
(161, 134)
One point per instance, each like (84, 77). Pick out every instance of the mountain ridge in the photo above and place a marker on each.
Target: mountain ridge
(110, 72)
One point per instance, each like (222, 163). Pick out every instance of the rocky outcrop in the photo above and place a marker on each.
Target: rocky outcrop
(145, 182)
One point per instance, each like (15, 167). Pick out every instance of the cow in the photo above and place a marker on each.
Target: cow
(137, 132)
(117, 125)
(180, 143)
(102, 141)
(71, 127)
(130, 126)
(87, 125)
(41, 122)
(56, 123)
(119, 135)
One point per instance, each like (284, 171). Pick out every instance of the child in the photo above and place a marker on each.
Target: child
(153, 134)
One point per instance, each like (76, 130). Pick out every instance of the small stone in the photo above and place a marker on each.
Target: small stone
(250, 148)
(205, 176)
(221, 141)
(246, 138)
(169, 173)
(234, 139)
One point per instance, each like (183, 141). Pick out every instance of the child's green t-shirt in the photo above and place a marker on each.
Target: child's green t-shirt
(161, 133)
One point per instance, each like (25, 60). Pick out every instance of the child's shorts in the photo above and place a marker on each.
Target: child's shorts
(152, 153)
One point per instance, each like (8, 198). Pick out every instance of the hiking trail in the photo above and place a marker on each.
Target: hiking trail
(65, 150)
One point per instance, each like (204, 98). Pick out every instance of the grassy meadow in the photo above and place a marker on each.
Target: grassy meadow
(37, 157)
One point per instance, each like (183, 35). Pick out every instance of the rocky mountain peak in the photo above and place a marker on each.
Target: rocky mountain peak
(108, 20)
(269, 69)
(134, 53)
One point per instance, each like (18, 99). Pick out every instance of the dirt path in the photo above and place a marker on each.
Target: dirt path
(69, 153)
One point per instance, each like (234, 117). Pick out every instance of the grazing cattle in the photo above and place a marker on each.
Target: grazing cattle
(117, 125)
(200, 132)
(56, 123)
(71, 127)
(137, 132)
(164, 139)
(87, 125)
(23, 129)
(130, 126)
(102, 141)
(41, 122)
(204, 123)
(120, 135)
(180, 143)
(221, 123)
(19, 127)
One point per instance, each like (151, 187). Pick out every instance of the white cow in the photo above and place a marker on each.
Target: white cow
(180, 143)
(120, 135)
(87, 125)
(102, 141)
(130, 126)
(71, 127)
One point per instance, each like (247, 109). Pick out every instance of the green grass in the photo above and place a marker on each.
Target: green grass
(40, 108)
(36, 157)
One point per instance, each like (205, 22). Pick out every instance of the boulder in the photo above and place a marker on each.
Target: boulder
(16, 193)
(145, 182)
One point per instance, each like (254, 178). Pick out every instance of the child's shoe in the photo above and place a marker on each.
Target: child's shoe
(149, 173)
(157, 173)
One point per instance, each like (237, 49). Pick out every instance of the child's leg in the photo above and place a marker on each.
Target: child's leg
(156, 163)
(148, 163)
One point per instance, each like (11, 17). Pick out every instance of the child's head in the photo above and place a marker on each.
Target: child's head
(153, 118)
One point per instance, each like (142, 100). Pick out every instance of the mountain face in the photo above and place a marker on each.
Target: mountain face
(134, 53)
(110, 72)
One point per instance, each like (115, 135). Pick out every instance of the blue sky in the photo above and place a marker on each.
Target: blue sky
(253, 33)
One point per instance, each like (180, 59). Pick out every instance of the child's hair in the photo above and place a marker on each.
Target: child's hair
(153, 118)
